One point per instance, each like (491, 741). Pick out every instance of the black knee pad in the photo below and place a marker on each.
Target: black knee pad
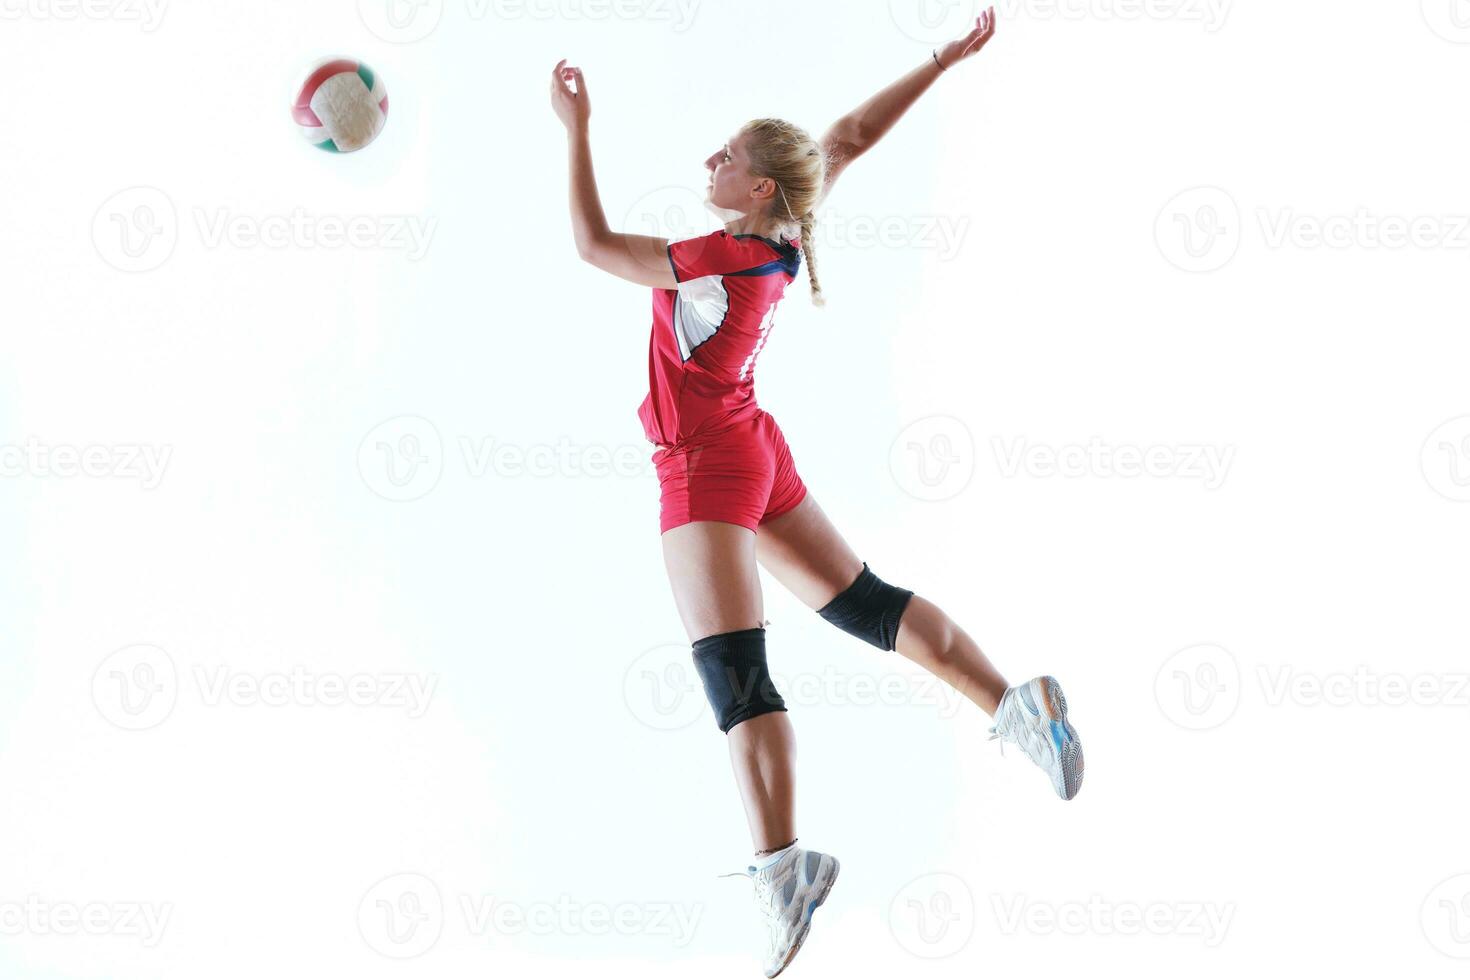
(736, 681)
(869, 609)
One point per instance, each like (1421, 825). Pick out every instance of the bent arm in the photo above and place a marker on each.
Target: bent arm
(637, 258)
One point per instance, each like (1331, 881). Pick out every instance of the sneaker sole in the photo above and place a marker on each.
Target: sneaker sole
(806, 917)
(1071, 755)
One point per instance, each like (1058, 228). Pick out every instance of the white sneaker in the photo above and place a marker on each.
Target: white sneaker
(1034, 716)
(787, 893)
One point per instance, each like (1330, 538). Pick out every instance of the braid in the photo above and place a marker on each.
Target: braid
(808, 227)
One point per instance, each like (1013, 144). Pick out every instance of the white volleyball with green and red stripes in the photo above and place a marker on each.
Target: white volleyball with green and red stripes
(342, 107)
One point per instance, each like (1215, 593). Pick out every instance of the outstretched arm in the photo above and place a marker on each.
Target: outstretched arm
(857, 132)
(636, 258)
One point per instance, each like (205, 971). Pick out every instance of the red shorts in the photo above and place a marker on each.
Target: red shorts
(744, 475)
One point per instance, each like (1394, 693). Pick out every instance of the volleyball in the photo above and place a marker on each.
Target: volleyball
(341, 107)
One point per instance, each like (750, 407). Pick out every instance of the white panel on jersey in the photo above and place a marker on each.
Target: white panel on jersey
(699, 309)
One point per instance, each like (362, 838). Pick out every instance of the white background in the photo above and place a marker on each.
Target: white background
(560, 767)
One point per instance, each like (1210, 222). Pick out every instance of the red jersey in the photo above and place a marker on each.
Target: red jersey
(708, 332)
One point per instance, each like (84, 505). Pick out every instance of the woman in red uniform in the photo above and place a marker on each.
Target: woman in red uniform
(731, 495)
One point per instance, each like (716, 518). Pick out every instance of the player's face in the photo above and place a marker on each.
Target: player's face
(729, 179)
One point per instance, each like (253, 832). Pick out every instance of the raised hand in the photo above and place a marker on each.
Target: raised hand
(971, 43)
(573, 108)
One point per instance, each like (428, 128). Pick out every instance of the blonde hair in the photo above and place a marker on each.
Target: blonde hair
(789, 156)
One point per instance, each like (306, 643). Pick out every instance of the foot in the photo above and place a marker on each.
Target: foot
(787, 893)
(1034, 716)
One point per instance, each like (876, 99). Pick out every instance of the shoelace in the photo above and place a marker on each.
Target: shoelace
(1010, 727)
(762, 890)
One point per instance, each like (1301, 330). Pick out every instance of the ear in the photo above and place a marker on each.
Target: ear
(764, 189)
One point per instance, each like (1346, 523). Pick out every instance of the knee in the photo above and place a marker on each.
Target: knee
(869, 609)
(732, 667)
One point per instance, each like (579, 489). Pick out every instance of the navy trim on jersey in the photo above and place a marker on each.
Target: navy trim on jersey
(782, 247)
(789, 263)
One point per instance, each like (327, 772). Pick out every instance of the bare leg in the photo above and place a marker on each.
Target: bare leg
(712, 569)
(805, 553)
